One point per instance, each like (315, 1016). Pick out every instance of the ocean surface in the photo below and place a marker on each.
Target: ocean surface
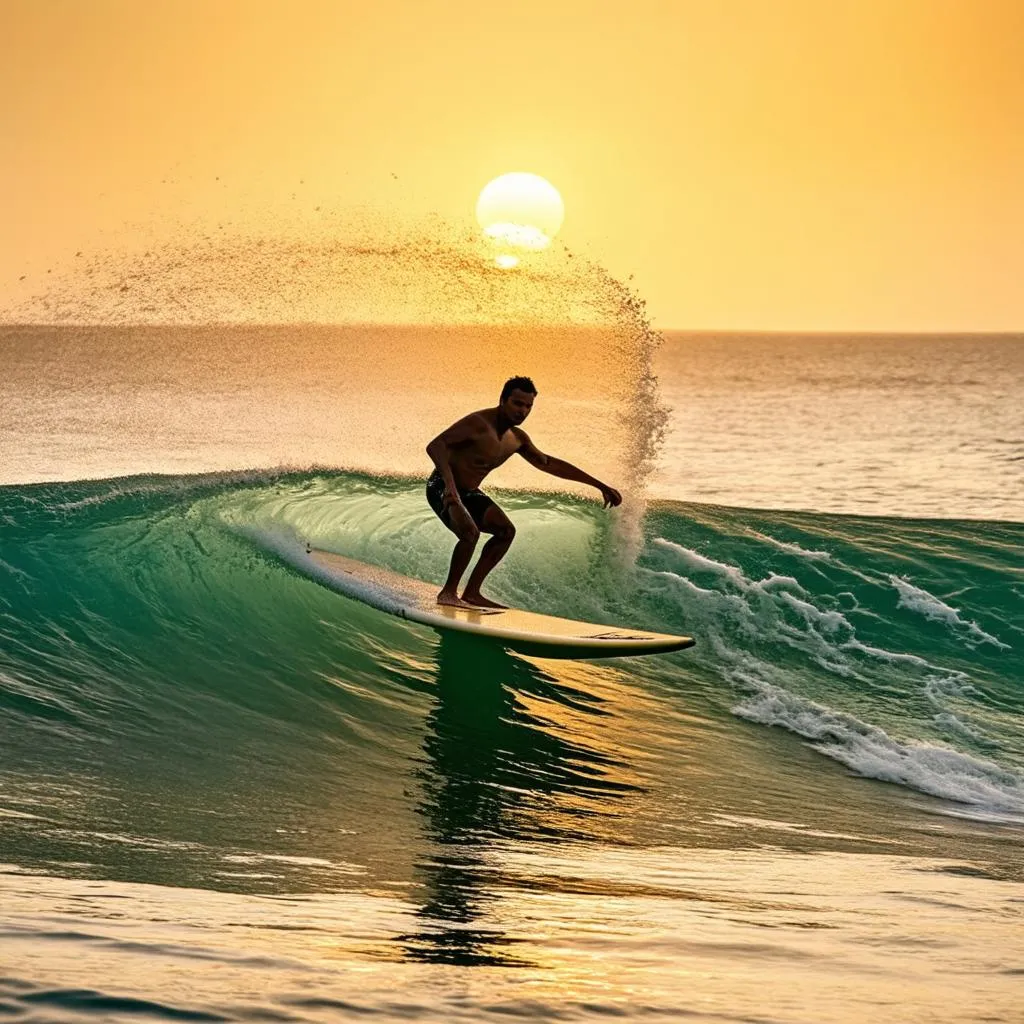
(228, 793)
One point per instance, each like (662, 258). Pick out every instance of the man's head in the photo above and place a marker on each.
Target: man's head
(517, 398)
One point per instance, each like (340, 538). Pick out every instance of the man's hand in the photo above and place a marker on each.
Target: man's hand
(610, 495)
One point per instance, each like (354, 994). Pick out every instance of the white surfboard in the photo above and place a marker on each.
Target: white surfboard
(417, 601)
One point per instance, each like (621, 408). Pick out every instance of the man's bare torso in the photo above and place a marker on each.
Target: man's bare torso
(472, 460)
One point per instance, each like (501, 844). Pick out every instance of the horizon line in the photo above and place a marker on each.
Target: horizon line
(464, 325)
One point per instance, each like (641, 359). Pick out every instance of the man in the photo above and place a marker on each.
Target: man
(463, 455)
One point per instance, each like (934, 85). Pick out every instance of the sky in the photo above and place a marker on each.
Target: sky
(855, 165)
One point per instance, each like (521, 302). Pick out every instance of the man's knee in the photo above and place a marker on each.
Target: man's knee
(470, 533)
(506, 532)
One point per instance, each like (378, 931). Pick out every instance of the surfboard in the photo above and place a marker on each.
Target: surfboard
(548, 635)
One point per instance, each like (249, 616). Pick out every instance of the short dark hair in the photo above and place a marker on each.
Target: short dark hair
(517, 384)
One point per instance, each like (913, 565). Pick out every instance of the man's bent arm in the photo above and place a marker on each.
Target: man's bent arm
(438, 452)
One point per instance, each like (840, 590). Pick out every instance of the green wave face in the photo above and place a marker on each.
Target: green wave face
(178, 702)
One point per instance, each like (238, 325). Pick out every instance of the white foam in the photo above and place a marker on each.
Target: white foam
(778, 611)
(950, 684)
(693, 560)
(931, 607)
(868, 750)
(794, 549)
(829, 621)
(883, 655)
(767, 606)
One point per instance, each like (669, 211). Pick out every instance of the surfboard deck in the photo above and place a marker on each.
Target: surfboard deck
(416, 601)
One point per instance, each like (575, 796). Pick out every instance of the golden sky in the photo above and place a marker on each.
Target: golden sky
(754, 164)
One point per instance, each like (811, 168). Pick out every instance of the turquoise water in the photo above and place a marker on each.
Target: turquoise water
(183, 709)
(227, 792)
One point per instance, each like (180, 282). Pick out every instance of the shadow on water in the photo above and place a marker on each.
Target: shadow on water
(497, 770)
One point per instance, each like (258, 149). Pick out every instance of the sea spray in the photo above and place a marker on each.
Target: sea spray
(585, 337)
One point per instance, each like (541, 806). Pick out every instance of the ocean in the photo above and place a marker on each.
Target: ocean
(228, 793)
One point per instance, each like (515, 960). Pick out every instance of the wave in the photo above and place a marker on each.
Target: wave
(147, 606)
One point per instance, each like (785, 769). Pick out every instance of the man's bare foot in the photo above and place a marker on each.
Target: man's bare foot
(452, 600)
(479, 601)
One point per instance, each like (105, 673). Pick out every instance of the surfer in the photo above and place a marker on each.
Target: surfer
(463, 455)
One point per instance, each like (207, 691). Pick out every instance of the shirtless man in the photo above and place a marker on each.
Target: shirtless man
(463, 455)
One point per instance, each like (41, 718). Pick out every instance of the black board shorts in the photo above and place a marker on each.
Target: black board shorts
(476, 502)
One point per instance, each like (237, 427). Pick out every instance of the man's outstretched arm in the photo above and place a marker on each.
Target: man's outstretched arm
(565, 470)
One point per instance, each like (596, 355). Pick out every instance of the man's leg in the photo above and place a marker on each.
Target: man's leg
(468, 533)
(498, 524)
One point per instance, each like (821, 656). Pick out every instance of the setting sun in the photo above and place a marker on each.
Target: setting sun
(520, 211)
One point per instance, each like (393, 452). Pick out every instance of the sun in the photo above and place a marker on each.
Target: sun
(519, 212)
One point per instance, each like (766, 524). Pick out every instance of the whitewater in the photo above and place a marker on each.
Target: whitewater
(227, 792)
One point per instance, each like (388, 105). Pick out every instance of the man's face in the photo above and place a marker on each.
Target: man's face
(518, 405)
